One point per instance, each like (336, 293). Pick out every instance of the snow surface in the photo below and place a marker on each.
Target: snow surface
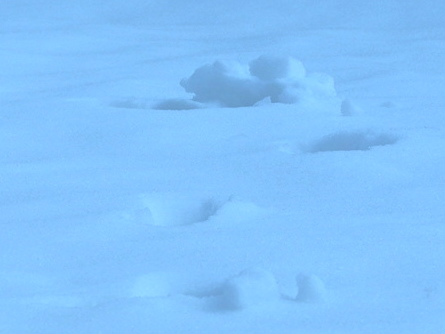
(222, 166)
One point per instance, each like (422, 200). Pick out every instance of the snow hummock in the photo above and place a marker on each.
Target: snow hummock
(232, 84)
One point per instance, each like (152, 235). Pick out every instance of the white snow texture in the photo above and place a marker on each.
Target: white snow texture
(254, 197)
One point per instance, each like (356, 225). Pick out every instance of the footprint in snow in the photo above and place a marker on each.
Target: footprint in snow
(257, 288)
(350, 141)
(183, 209)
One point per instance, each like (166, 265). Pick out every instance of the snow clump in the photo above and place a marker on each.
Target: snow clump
(278, 79)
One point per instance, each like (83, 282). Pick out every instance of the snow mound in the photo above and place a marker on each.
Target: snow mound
(231, 84)
(310, 289)
(252, 287)
(351, 141)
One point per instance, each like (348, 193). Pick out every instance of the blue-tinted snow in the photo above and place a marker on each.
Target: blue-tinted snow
(129, 205)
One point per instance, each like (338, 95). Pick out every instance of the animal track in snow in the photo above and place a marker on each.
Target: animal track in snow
(250, 288)
(256, 287)
(176, 209)
(185, 209)
(351, 141)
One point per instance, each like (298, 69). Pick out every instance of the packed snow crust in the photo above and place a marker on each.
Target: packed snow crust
(255, 196)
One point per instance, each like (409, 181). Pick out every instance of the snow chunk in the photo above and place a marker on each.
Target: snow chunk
(310, 289)
(250, 288)
(224, 83)
(278, 79)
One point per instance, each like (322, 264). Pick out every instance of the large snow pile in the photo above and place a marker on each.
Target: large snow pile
(231, 84)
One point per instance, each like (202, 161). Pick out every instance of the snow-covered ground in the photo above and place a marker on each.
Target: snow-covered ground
(222, 167)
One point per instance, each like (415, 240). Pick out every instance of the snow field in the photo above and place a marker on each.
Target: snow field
(132, 204)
